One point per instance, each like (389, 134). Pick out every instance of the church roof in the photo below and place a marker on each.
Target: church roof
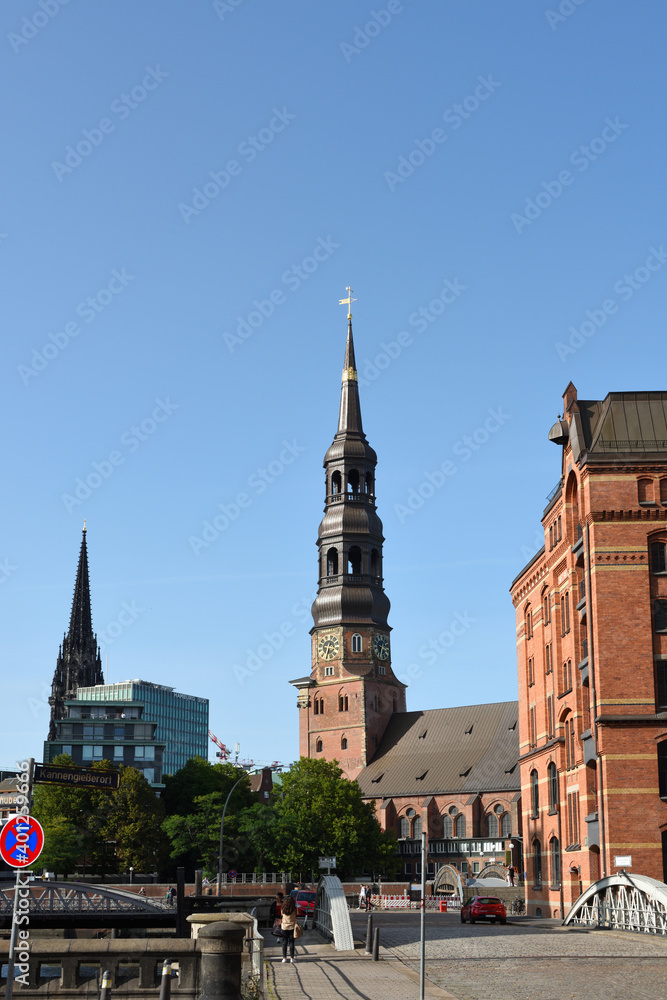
(81, 622)
(470, 749)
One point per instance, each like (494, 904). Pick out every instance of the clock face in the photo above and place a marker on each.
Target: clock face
(328, 646)
(381, 647)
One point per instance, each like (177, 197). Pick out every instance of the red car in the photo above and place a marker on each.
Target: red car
(484, 908)
(305, 902)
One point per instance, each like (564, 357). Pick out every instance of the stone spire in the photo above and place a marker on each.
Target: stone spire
(79, 663)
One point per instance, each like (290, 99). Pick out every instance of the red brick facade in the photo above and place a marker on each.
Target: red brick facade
(592, 655)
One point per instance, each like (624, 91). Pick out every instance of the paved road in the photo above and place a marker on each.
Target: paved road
(527, 959)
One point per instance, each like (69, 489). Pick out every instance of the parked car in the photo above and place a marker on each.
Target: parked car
(305, 902)
(484, 908)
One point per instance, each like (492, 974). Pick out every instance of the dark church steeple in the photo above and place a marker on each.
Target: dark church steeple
(79, 663)
(352, 692)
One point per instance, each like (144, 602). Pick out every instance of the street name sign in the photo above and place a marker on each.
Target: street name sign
(21, 841)
(76, 777)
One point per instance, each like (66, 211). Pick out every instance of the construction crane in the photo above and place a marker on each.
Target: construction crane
(223, 753)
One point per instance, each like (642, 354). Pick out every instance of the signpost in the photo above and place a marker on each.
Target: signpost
(77, 777)
(327, 863)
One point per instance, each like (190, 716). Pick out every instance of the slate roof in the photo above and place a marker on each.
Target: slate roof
(446, 750)
(624, 422)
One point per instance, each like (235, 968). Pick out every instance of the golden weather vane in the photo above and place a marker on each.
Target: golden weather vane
(347, 302)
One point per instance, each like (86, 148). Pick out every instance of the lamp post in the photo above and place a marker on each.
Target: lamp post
(131, 871)
(222, 830)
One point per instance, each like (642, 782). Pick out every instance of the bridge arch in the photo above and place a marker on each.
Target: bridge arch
(332, 917)
(448, 882)
(623, 902)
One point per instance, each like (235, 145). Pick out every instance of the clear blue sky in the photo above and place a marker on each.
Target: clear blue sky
(501, 162)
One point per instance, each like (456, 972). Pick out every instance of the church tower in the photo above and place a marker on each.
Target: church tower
(79, 663)
(348, 699)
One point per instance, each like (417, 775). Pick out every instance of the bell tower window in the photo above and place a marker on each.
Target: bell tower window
(353, 481)
(336, 484)
(357, 643)
(369, 484)
(332, 562)
(375, 563)
(354, 561)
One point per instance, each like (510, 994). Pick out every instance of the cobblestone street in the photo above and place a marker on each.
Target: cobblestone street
(526, 959)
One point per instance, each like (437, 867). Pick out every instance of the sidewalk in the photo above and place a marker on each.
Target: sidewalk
(322, 973)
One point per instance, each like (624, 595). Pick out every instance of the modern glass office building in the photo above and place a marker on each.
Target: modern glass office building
(136, 723)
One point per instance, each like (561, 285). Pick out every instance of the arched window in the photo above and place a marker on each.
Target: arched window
(506, 826)
(319, 706)
(354, 561)
(546, 608)
(357, 643)
(553, 787)
(332, 562)
(417, 828)
(343, 743)
(491, 826)
(535, 792)
(537, 862)
(336, 483)
(447, 827)
(369, 484)
(342, 702)
(404, 827)
(460, 826)
(529, 622)
(353, 481)
(555, 861)
(658, 557)
(318, 746)
(645, 490)
(569, 741)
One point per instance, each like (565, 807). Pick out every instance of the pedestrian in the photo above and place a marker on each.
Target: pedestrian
(142, 891)
(511, 871)
(288, 925)
(369, 891)
(276, 907)
(362, 898)
(169, 895)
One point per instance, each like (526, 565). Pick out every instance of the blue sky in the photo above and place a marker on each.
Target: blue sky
(187, 191)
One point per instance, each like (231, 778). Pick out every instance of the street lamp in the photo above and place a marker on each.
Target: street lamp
(222, 830)
(131, 870)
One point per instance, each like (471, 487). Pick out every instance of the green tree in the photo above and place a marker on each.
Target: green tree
(63, 845)
(321, 813)
(135, 821)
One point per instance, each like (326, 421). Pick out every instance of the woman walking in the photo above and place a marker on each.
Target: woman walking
(288, 923)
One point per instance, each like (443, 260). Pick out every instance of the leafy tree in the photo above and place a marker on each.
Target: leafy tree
(63, 845)
(318, 812)
(135, 820)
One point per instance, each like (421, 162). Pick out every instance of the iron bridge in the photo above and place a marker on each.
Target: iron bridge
(80, 904)
(623, 902)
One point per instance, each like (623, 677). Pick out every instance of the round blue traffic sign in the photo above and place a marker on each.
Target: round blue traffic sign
(21, 841)
(232, 873)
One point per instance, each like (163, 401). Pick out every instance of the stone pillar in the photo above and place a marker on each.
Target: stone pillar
(221, 946)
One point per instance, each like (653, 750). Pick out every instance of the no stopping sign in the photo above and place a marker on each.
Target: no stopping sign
(21, 841)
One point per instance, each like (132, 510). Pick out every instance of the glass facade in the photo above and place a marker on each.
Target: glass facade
(137, 723)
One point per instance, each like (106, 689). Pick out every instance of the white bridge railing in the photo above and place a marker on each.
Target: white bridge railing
(623, 902)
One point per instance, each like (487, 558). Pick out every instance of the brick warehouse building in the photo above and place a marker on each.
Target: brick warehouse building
(591, 613)
(452, 772)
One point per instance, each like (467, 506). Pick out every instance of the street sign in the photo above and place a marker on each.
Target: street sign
(327, 863)
(76, 777)
(21, 841)
(232, 874)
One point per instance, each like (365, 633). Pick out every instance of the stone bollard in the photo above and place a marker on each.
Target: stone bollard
(369, 935)
(221, 946)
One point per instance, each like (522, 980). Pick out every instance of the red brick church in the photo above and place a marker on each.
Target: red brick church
(452, 772)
